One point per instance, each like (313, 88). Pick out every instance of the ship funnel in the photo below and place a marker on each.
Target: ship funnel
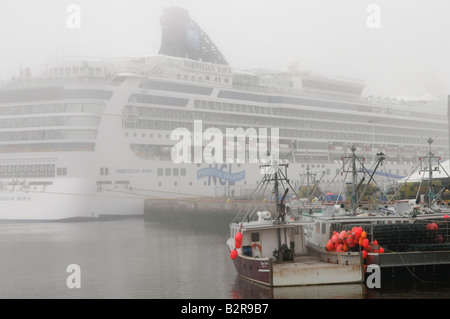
(182, 37)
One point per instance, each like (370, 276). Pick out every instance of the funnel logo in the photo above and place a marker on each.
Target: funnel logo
(193, 39)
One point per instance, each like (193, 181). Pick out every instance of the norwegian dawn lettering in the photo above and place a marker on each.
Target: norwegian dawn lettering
(203, 66)
(14, 198)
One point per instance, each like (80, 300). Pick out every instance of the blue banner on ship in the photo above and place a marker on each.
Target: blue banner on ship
(223, 175)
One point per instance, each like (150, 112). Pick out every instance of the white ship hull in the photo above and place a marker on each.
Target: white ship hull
(84, 198)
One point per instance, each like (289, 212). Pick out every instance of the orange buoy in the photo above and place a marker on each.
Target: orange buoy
(342, 235)
(233, 254)
(365, 243)
(350, 240)
(238, 236)
(364, 253)
(329, 246)
(363, 234)
(237, 244)
(381, 250)
(335, 239)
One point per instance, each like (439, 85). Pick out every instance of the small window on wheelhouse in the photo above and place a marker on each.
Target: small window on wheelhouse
(254, 237)
(324, 228)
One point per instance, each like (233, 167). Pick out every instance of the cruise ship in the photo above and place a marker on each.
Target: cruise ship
(92, 137)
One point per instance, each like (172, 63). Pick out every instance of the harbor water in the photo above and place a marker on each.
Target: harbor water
(138, 258)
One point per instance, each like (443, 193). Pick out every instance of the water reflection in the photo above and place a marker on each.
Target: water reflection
(155, 260)
(245, 289)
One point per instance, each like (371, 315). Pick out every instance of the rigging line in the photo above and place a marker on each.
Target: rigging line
(442, 167)
(251, 207)
(290, 186)
(409, 270)
(388, 201)
(445, 187)
(344, 179)
(374, 168)
(253, 197)
(328, 186)
(316, 186)
(386, 174)
(398, 188)
(251, 210)
(384, 194)
(418, 189)
(259, 203)
(332, 181)
(145, 196)
(158, 191)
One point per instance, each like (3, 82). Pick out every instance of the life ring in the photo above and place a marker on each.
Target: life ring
(257, 245)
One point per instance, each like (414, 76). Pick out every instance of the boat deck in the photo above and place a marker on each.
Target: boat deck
(310, 270)
(304, 261)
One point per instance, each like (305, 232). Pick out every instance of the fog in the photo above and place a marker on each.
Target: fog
(100, 153)
(406, 54)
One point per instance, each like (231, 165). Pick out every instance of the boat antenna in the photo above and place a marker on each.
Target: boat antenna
(431, 195)
(354, 180)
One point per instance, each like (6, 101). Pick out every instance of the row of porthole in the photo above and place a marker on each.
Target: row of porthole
(200, 79)
(151, 135)
(190, 183)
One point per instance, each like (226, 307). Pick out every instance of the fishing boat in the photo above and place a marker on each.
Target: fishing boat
(269, 246)
(430, 202)
(393, 237)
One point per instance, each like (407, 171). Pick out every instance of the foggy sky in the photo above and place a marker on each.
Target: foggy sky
(408, 55)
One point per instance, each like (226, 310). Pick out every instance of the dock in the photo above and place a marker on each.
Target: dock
(220, 211)
(413, 248)
(411, 258)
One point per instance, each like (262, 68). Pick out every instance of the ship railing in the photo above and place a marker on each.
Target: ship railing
(39, 81)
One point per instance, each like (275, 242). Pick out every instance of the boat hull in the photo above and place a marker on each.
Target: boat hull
(338, 268)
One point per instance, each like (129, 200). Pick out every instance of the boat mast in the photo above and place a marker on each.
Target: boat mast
(277, 199)
(354, 180)
(430, 176)
(307, 184)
